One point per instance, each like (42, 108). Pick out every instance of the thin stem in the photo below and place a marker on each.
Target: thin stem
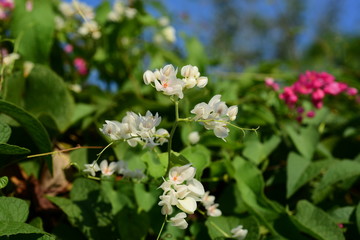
(60, 151)
(99, 154)
(220, 230)
(162, 228)
(172, 132)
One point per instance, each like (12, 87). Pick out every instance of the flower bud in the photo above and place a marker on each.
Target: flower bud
(202, 81)
(194, 137)
(232, 112)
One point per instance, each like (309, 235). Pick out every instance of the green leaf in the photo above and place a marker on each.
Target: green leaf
(145, 199)
(305, 140)
(5, 132)
(32, 126)
(300, 171)
(12, 228)
(176, 159)
(44, 94)
(82, 110)
(357, 215)
(13, 209)
(33, 30)
(3, 181)
(339, 171)
(118, 198)
(220, 227)
(7, 149)
(131, 224)
(199, 156)
(316, 222)
(72, 211)
(342, 214)
(251, 185)
(156, 163)
(256, 151)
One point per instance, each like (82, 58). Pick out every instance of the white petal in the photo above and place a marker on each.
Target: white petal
(187, 205)
(196, 187)
(202, 82)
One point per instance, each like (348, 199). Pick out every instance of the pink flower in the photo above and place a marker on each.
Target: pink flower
(318, 95)
(80, 65)
(351, 91)
(271, 83)
(68, 48)
(310, 114)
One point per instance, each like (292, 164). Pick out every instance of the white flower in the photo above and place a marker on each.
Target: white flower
(213, 210)
(207, 199)
(164, 135)
(149, 77)
(92, 168)
(232, 112)
(178, 175)
(66, 9)
(179, 221)
(169, 34)
(196, 187)
(107, 169)
(202, 81)
(201, 110)
(28, 67)
(10, 59)
(112, 129)
(194, 137)
(239, 233)
(170, 86)
(166, 205)
(215, 115)
(130, 12)
(84, 9)
(90, 27)
(163, 21)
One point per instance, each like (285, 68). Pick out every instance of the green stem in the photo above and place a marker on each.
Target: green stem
(99, 154)
(162, 228)
(172, 132)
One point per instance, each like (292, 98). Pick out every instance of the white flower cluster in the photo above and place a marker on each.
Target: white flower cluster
(215, 115)
(166, 81)
(8, 59)
(107, 169)
(70, 9)
(211, 207)
(167, 32)
(239, 232)
(183, 191)
(88, 27)
(120, 10)
(91, 28)
(137, 129)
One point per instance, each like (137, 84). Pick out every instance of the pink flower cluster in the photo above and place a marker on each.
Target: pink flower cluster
(5, 8)
(80, 65)
(314, 84)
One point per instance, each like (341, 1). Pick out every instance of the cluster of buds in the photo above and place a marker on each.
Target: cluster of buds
(314, 84)
(167, 32)
(184, 191)
(120, 10)
(107, 169)
(5, 8)
(215, 115)
(80, 10)
(165, 80)
(137, 129)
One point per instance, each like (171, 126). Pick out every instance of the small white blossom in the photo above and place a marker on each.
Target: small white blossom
(163, 21)
(66, 9)
(92, 168)
(178, 175)
(149, 77)
(213, 210)
(215, 115)
(187, 205)
(10, 59)
(207, 199)
(202, 82)
(107, 169)
(239, 233)
(179, 221)
(194, 137)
